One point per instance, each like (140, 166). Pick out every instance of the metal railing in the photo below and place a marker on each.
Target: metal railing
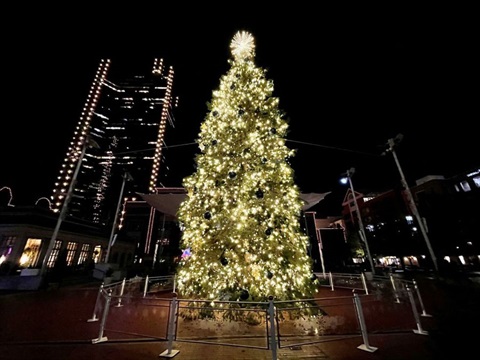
(269, 325)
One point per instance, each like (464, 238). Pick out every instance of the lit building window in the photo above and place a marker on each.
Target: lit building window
(465, 186)
(409, 219)
(6, 247)
(82, 258)
(30, 253)
(97, 254)
(54, 254)
(71, 250)
(476, 181)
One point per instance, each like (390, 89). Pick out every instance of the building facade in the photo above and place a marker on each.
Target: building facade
(25, 233)
(120, 132)
(449, 210)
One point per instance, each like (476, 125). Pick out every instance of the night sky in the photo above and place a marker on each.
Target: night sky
(347, 82)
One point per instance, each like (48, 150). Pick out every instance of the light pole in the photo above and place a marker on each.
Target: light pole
(349, 173)
(126, 176)
(391, 148)
(88, 142)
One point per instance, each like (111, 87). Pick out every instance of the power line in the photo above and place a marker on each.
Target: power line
(150, 149)
(293, 141)
(334, 148)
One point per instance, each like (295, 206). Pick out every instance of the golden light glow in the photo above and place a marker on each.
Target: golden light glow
(241, 217)
(242, 45)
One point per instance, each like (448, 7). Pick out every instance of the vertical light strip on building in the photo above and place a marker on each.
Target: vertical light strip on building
(79, 137)
(158, 68)
(161, 132)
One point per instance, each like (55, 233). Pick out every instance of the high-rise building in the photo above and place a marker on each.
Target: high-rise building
(120, 132)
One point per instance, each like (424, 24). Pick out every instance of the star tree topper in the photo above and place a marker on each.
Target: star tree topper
(242, 45)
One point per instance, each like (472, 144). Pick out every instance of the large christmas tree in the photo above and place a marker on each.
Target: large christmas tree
(241, 219)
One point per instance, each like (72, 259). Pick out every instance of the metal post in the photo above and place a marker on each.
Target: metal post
(330, 277)
(170, 353)
(395, 292)
(320, 248)
(126, 176)
(102, 338)
(419, 329)
(420, 299)
(94, 316)
(358, 307)
(360, 221)
(364, 282)
(413, 206)
(271, 317)
(145, 288)
(122, 289)
(63, 211)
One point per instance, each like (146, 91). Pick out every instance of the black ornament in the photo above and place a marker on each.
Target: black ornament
(232, 174)
(223, 260)
(273, 130)
(244, 295)
(268, 231)
(207, 215)
(264, 160)
(214, 142)
(269, 274)
(259, 194)
(241, 112)
(232, 87)
(215, 113)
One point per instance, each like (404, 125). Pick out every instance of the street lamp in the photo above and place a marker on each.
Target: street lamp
(348, 178)
(126, 177)
(88, 142)
(391, 148)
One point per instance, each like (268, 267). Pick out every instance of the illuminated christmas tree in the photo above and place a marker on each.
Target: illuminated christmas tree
(241, 218)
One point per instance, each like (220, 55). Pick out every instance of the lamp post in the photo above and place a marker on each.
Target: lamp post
(349, 173)
(126, 176)
(88, 142)
(391, 148)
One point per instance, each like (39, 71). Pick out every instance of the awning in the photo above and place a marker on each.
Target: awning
(169, 203)
(312, 199)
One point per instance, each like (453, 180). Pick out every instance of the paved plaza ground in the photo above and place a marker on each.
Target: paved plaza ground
(54, 324)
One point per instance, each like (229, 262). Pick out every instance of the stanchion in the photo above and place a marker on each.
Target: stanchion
(330, 278)
(174, 283)
(121, 294)
(358, 306)
(395, 292)
(424, 313)
(145, 288)
(271, 317)
(364, 283)
(102, 338)
(95, 309)
(419, 329)
(170, 353)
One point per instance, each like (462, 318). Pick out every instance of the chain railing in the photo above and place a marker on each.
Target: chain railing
(268, 325)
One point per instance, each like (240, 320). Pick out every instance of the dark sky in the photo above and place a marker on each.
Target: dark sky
(347, 81)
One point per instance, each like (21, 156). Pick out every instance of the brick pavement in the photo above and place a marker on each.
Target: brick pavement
(53, 324)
